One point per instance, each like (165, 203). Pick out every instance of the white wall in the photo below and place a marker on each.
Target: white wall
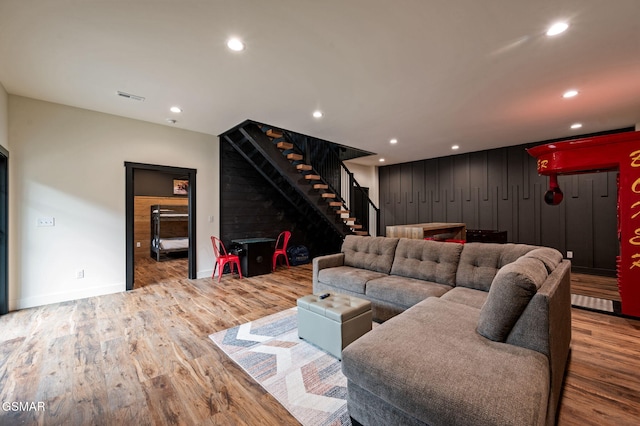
(68, 163)
(4, 118)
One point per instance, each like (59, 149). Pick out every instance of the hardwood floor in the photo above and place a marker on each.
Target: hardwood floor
(595, 286)
(144, 357)
(149, 271)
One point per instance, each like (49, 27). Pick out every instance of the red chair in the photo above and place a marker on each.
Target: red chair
(281, 248)
(223, 258)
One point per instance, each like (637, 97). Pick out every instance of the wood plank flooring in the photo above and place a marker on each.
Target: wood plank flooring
(149, 271)
(144, 357)
(595, 286)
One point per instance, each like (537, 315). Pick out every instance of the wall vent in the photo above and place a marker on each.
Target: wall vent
(130, 96)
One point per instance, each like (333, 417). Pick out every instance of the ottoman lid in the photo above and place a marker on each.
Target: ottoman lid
(337, 307)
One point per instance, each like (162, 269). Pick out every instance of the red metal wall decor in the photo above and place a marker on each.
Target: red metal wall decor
(619, 151)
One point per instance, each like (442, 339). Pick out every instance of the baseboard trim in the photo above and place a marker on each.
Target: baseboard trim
(47, 299)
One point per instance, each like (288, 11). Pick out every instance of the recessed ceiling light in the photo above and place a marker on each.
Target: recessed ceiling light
(570, 93)
(381, 160)
(454, 147)
(557, 28)
(235, 44)
(175, 109)
(576, 125)
(393, 141)
(317, 114)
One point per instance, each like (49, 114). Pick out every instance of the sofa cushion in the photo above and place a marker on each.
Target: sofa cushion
(403, 291)
(466, 296)
(480, 262)
(550, 257)
(513, 287)
(372, 253)
(348, 278)
(431, 364)
(427, 260)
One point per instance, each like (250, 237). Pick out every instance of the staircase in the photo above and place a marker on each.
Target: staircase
(275, 154)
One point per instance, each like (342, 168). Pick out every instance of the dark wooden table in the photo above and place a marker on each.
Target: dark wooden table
(256, 255)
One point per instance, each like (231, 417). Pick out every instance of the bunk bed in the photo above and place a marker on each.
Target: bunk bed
(169, 230)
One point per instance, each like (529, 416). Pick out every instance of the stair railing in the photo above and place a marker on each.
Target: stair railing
(324, 159)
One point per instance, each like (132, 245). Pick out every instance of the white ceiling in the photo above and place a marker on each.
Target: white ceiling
(431, 73)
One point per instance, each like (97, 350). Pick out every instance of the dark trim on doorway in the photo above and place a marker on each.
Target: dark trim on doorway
(4, 231)
(129, 194)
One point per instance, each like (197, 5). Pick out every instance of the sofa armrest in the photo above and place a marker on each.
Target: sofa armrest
(324, 262)
(545, 326)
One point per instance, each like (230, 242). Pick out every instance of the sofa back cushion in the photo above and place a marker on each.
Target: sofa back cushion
(513, 287)
(427, 260)
(372, 253)
(480, 262)
(549, 256)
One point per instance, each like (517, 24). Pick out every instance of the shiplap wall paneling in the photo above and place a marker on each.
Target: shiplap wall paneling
(251, 207)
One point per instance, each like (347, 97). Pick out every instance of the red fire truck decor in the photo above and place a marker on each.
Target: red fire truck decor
(620, 152)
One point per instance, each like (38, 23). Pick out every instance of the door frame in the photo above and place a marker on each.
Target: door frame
(4, 231)
(129, 205)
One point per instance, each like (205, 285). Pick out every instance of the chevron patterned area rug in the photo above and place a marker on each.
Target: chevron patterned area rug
(305, 380)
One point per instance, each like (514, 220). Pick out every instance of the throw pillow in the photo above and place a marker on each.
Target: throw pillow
(511, 290)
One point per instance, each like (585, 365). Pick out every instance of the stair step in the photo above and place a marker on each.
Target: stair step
(349, 219)
(320, 186)
(304, 167)
(342, 211)
(336, 204)
(294, 157)
(284, 145)
(312, 177)
(328, 195)
(363, 233)
(355, 226)
(274, 133)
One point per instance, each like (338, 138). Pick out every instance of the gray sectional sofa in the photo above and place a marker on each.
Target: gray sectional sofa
(472, 333)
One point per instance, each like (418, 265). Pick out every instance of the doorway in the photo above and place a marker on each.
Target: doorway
(360, 205)
(187, 178)
(4, 230)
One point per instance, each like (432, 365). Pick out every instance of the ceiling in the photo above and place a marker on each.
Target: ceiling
(430, 73)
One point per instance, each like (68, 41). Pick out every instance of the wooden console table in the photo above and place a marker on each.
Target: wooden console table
(419, 231)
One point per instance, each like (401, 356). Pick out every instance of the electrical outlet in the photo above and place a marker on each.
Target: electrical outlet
(569, 255)
(80, 273)
(46, 221)
(138, 244)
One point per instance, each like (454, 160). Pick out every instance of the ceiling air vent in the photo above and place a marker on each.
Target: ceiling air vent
(130, 96)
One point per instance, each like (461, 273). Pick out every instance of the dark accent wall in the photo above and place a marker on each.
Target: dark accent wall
(251, 207)
(155, 184)
(4, 231)
(500, 190)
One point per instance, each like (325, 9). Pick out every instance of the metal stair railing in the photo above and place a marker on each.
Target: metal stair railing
(324, 159)
(249, 132)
